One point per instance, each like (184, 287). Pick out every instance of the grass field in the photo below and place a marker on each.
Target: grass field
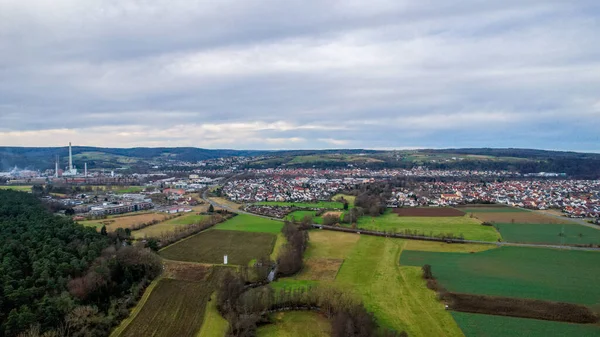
(299, 215)
(330, 245)
(16, 188)
(296, 324)
(174, 308)
(167, 226)
(214, 325)
(546, 274)
(520, 217)
(320, 269)
(349, 198)
(249, 223)
(475, 325)
(127, 221)
(469, 227)
(397, 295)
(431, 246)
(548, 233)
(210, 246)
(129, 189)
(319, 204)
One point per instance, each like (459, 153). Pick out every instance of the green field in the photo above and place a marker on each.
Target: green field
(249, 223)
(475, 325)
(319, 204)
(469, 227)
(546, 274)
(16, 188)
(296, 324)
(129, 189)
(396, 295)
(174, 308)
(214, 324)
(211, 245)
(349, 198)
(548, 233)
(299, 215)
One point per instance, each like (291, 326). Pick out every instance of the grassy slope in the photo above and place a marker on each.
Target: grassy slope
(397, 295)
(249, 223)
(214, 325)
(501, 326)
(568, 276)
(299, 215)
(469, 227)
(296, 324)
(548, 233)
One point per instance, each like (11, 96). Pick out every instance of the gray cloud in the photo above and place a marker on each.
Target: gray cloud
(300, 74)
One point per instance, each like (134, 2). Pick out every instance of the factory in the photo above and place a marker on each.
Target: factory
(71, 170)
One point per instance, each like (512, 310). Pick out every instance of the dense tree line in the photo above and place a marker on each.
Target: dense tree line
(289, 261)
(63, 279)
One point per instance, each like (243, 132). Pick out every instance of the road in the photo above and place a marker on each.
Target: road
(363, 232)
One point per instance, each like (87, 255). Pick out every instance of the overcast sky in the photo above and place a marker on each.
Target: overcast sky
(290, 74)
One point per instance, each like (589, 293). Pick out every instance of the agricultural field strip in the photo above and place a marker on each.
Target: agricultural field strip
(136, 310)
(466, 241)
(543, 274)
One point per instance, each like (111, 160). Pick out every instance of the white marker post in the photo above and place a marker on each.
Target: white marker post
(224, 259)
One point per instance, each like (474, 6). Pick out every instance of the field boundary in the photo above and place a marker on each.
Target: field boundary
(136, 310)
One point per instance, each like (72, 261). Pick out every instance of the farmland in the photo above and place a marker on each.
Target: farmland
(249, 223)
(548, 233)
(174, 308)
(128, 221)
(210, 246)
(296, 324)
(546, 274)
(319, 204)
(519, 217)
(169, 225)
(17, 188)
(502, 326)
(428, 211)
(469, 227)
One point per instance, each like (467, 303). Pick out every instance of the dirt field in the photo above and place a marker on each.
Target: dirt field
(519, 217)
(210, 246)
(185, 271)
(332, 213)
(320, 269)
(127, 221)
(228, 203)
(429, 212)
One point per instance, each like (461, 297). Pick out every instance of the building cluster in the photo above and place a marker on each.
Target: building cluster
(576, 198)
(384, 173)
(288, 188)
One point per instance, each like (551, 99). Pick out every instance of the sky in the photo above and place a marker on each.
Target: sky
(301, 74)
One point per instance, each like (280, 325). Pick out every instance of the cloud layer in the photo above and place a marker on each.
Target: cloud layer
(268, 74)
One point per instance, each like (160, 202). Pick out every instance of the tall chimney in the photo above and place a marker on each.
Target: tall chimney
(70, 158)
(85, 169)
(56, 168)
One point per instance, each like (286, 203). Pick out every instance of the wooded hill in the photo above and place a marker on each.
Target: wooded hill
(60, 277)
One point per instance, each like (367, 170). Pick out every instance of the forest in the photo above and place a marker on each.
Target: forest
(58, 278)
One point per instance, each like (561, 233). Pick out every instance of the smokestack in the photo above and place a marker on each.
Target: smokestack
(70, 158)
(56, 168)
(85, 169)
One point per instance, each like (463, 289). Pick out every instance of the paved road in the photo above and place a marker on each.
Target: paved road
(514, 244)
